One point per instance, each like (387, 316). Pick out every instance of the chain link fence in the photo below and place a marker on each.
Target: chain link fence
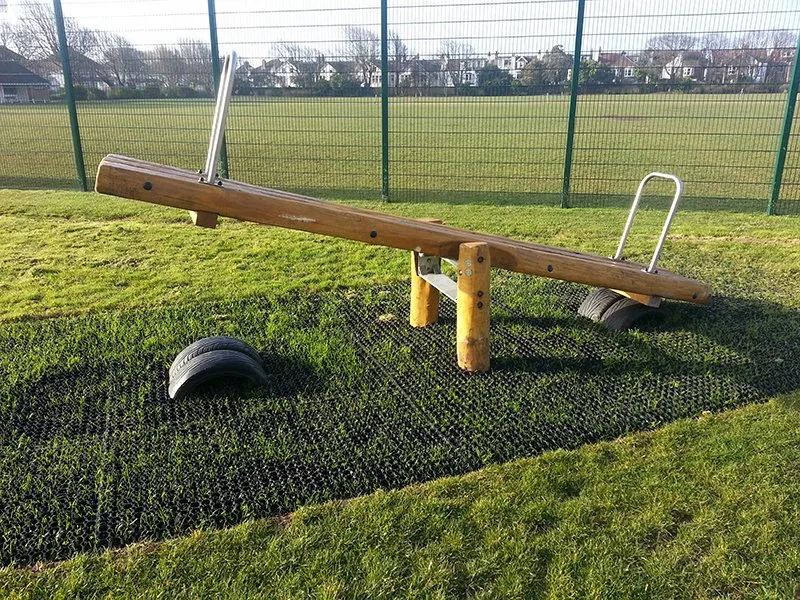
(563, 102)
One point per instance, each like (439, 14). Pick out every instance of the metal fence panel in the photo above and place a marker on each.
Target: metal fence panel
(694, 93)
(458, 131)
(478, 96)
(789, 200)
(126, 108)
(296, 123)
(35, 147)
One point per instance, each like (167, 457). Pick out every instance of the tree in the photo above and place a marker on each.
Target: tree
(362, 46)
(494, 81)
(36, 36)
(662, 49)
(457, 56)
(166, 65)
(196, 58)
(595, 73)
(7, 35)
(306, 59)
(556, 65)
(533, 73)
(124, 63)
(398, 56)
(344, 85)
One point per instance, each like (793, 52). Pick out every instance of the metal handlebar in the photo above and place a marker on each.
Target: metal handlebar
(226, 79)
(678, 191)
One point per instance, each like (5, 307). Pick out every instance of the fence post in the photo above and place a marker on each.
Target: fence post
(77, 147)
(385, 101)
(215, 68)
(573, 105)
(783, 145)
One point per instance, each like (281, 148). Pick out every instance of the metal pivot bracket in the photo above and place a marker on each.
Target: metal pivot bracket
(226, 79)
(676, 199)
(429, 268)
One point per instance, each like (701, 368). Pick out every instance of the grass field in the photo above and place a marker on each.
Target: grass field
(496, 150)
(97, 294)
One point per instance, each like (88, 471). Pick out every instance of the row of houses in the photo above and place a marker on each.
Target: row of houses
(32, 81)
(723, 66)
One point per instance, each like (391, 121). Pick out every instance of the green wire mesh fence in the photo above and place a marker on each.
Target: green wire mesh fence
(481, 100)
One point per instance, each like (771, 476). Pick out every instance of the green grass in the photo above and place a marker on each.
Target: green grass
(62, 253)
(454, 149)
(702, 508)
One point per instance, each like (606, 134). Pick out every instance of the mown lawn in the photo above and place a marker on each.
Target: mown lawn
(98, 293)
(452, 149)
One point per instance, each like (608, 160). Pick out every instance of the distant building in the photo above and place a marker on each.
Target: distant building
(686, 65)
(623, 66)
(85, 71)
(19, 84)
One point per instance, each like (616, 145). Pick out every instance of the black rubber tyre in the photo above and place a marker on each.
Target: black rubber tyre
(598, 302)
(626, 313)
(216, 364)
(210, 344)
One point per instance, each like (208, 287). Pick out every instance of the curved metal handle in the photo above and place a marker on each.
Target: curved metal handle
(678, 192)
(226, 79)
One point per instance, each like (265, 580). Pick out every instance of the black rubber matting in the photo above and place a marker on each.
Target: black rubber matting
(93, 453)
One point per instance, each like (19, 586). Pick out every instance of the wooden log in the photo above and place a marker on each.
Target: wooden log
(179, 188)
(204, 219)
(472, 307)
(424, 297)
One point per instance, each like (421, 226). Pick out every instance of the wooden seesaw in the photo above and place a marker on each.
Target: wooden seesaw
(628, 290)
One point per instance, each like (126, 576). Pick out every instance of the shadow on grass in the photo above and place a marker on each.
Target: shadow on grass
(501, 198)
(749, 341)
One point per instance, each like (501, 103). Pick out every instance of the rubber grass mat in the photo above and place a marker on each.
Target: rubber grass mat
(93, 454)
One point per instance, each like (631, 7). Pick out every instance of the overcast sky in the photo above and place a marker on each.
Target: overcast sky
(251, 28)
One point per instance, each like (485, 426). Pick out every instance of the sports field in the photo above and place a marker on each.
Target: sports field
(495, 150)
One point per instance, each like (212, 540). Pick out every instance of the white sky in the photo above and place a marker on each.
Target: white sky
(251, 28)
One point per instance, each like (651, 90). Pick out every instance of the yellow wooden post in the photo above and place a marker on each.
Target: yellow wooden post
(424, 297)
(472, 311)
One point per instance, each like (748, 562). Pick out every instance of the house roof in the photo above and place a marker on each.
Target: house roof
(615, 59)
(8, 54)
(13, 73)
(341, 66)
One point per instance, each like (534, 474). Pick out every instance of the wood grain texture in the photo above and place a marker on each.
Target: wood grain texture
(179, 188)
(204, 219)
(472, 307)
(424, 297)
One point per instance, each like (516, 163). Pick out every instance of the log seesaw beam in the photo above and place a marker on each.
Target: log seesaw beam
(180, 188)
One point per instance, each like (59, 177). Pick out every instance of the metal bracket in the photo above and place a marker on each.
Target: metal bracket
(678, 191)
(430, 269)
(226, 79)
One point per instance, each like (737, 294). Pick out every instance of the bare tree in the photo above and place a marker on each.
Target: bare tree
(6, 35)
(398, 55)
(295, 52)
(766, 40)
(36, 36)
(306, 59)
(362, 46)
(663, 49)
(166, 65)
(124, 63)
(713, 44)
(457, 56)
(196, 59)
